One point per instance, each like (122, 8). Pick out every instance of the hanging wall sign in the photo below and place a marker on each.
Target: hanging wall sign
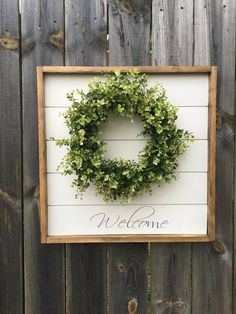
(108, 165)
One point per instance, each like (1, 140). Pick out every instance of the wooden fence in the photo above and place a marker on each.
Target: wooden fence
(113, 278)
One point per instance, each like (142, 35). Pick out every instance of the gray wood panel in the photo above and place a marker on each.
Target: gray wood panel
(171, 278)
(11, 264)
(172, 32)
(86, 43)
(86, 32)
(42, 44)
(127, 278)
(129, 44)
(172, 44)
(129, 32)
(215, 43)
(86, 278)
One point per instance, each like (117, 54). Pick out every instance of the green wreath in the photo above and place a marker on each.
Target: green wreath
(124, 95)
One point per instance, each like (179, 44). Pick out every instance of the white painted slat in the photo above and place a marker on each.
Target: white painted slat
(193, 119)
(190, 188)
(54, 123)
(129, 219)
(54, 156)
(126, 149)
(182, 89)
(195, 158)
(58, 85)
(122, 128)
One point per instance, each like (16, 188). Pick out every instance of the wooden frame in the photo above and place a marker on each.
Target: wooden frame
(212, 71)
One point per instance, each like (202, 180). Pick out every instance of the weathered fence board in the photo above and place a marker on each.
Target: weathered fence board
(129, 44)
(127, 278)
(11, 263)
(86, 32)
(172, 44)
(42, 44)
(129, 32)
(215, 43)
(172, 32)
(85, 44)
(202, 33)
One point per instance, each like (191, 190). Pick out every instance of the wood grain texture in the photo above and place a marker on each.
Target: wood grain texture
(42, 156)
(211, 189)
(127, 276)
(129, 32)
(86, 278)
(129, 44)
(147, 69)
(11, 275)
(170, 279)
(212, 266)
(129, 238)
(172, 32)
(172, 44)
(202, 33)
(86, 34)
(42, 44)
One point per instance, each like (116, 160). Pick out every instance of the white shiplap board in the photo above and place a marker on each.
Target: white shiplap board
(182, 89)
(191, 161)
(190, 188)
(55, 126)
(176, 208)
(129, 219)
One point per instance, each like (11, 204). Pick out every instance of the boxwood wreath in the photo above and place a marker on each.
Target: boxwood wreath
(125, 95)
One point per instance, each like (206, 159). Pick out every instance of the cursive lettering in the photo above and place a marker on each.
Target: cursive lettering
(142, 217)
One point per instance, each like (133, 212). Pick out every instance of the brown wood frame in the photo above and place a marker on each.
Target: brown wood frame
(128, 238)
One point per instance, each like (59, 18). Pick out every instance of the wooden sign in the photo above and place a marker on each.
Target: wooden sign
(183, 211)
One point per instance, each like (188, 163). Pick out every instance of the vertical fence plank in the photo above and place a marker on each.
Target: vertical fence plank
(215, 42)
(86, 37)
(129, 32)
(172, 32)
(129, 44)
(86, 32)
(202, 32)
(42, 44)
(172, 44)
(11, 290)
(127, 278)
